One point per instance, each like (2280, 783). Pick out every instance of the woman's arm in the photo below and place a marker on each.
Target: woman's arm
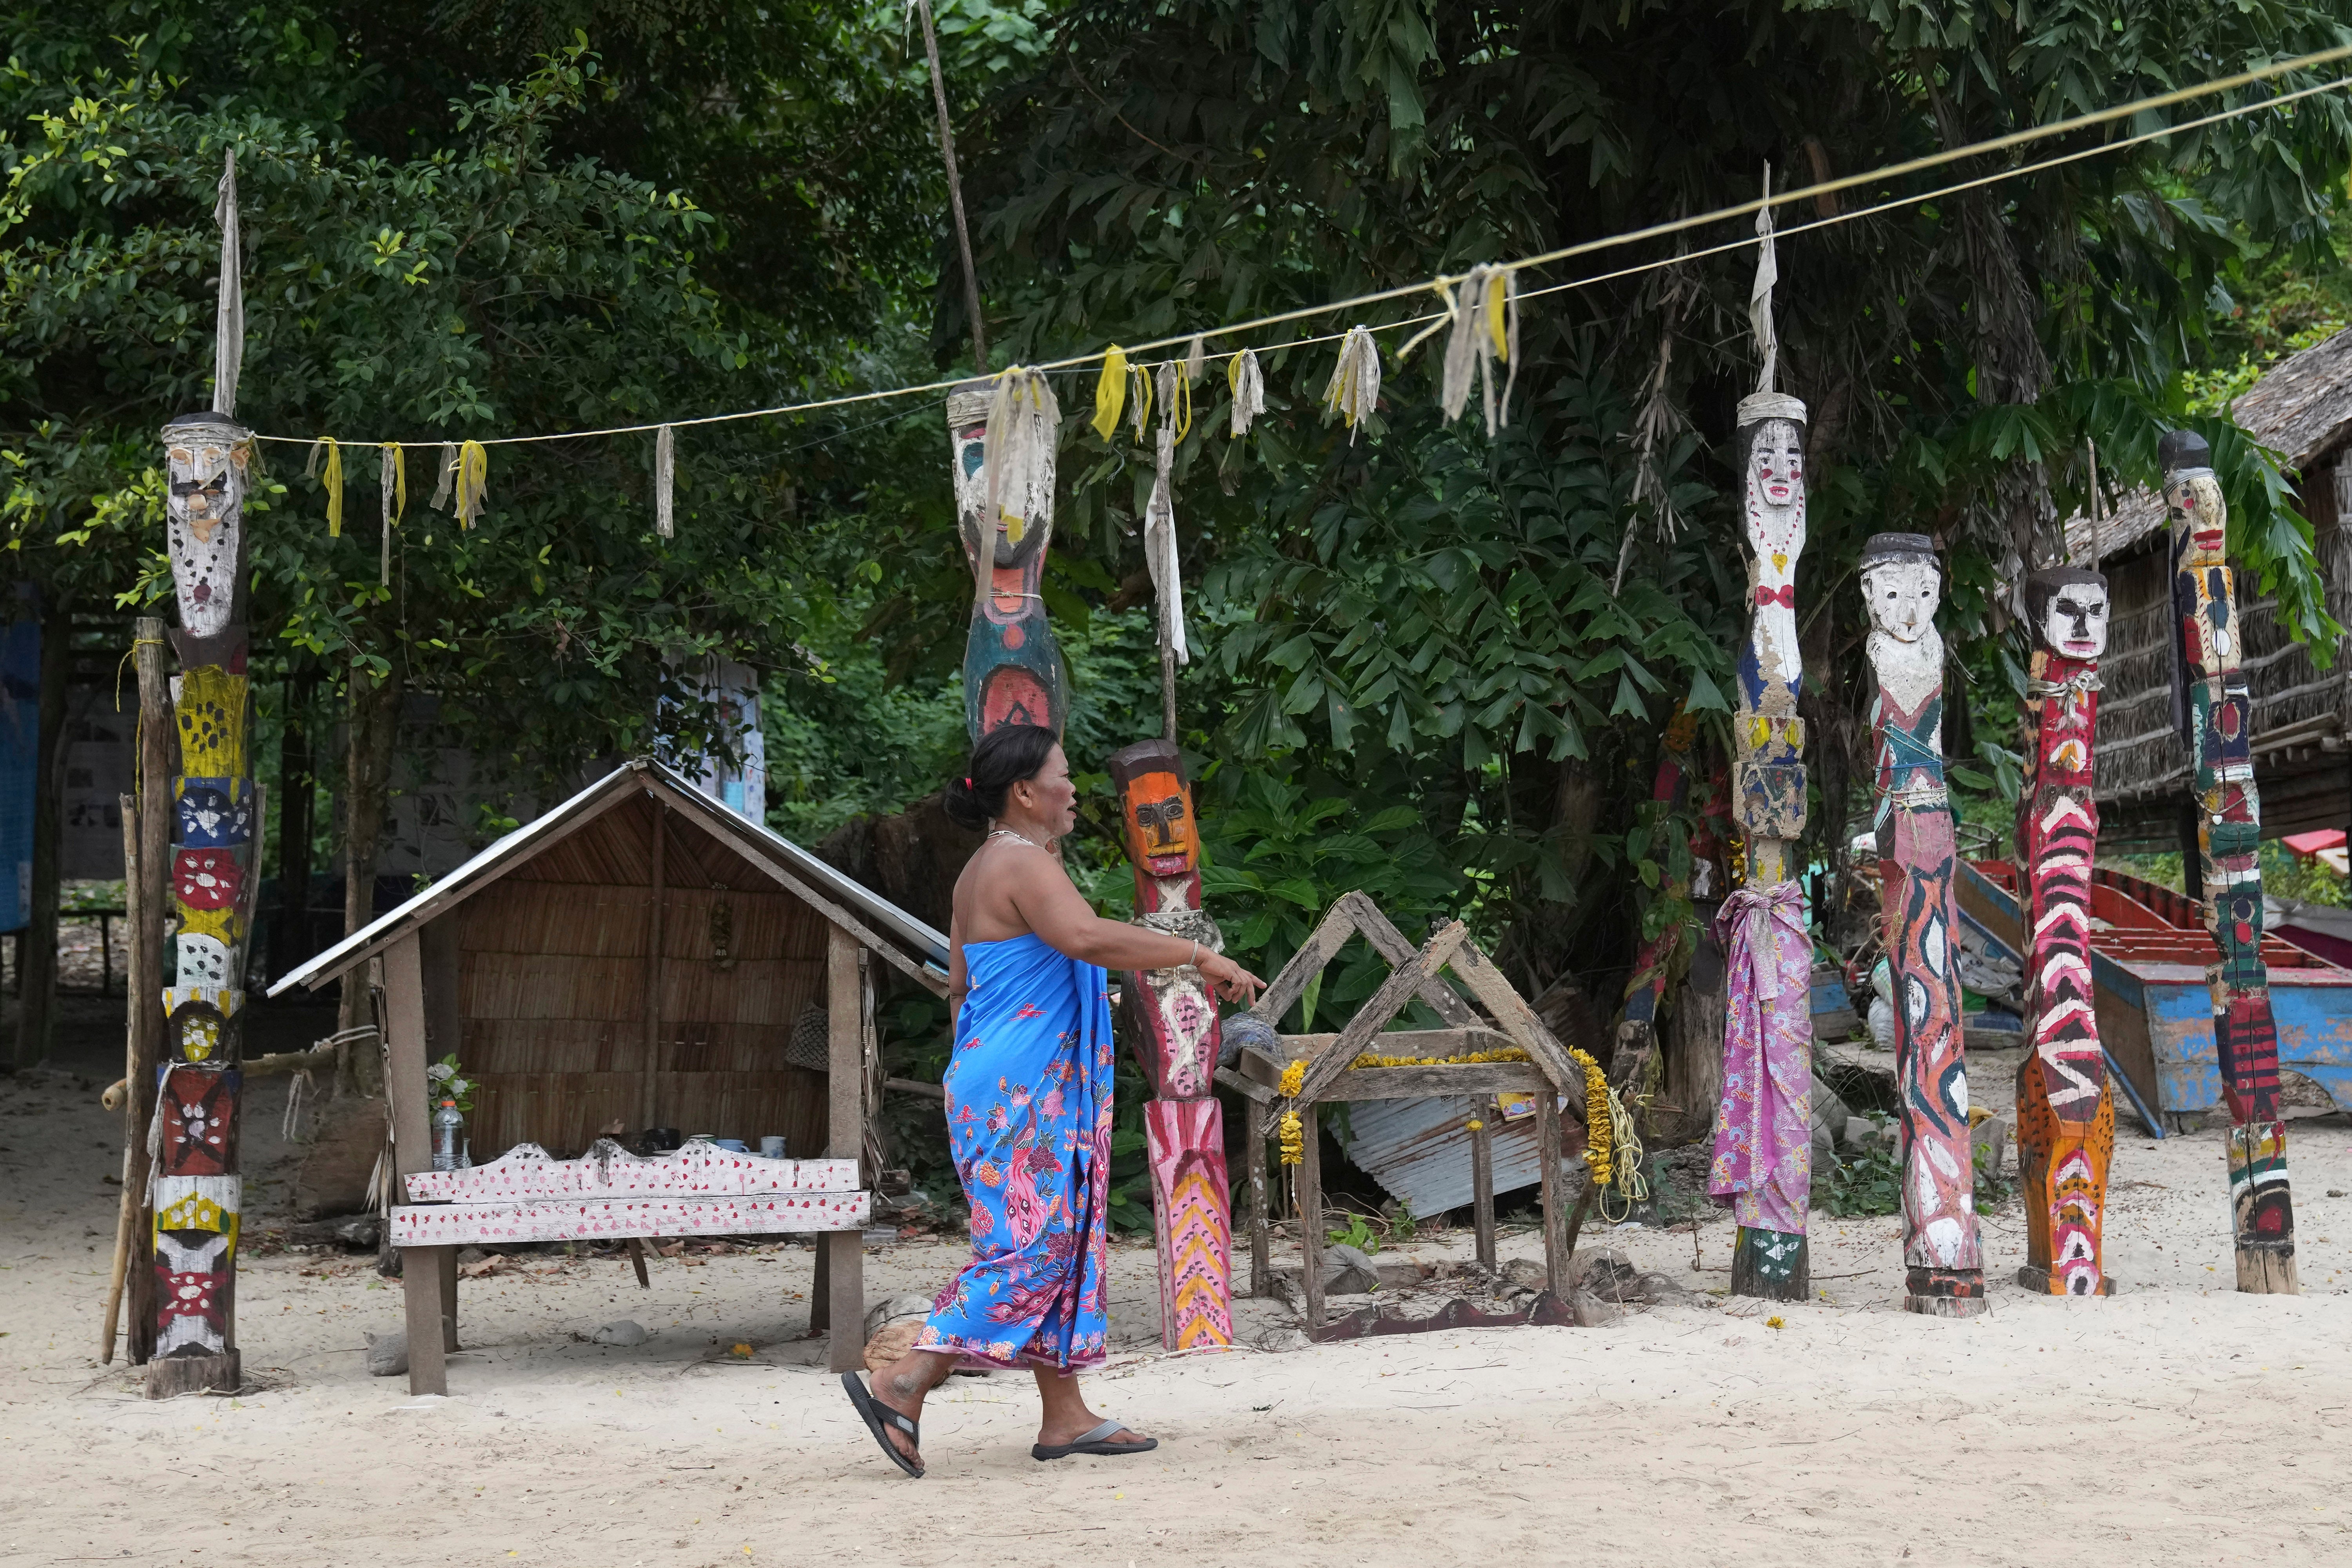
(1051, 905)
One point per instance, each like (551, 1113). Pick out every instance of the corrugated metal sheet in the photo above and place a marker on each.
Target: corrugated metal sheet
(1418, 1151)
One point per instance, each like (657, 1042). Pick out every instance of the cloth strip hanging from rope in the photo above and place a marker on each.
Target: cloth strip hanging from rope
(393, 476)
(1248, 384)
(333, 477)
(1110, 392)
(228, 321)
(1485, 329)
(1355, 386)
(1159, 525)
(665, 475)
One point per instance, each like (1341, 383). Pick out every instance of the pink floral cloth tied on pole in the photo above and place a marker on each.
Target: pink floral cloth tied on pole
(1763, 1153)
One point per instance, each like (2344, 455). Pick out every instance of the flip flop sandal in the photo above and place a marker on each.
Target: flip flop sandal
(1093, 1442)
(877, 1414)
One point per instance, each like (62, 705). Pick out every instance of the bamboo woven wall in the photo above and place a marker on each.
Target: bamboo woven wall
(2298, 709)
(551, 981)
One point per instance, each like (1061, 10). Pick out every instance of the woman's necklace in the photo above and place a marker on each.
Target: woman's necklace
(1007, 833)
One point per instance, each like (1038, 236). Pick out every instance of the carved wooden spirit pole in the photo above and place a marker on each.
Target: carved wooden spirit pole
(1177, 1039)
(1012, 671)
(2065, 1106)
(197, 1192)
(1942, 1251)
(1763, 1123)
(2212, 711)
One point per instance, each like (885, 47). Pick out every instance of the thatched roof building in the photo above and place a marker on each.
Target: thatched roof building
(2302, 714)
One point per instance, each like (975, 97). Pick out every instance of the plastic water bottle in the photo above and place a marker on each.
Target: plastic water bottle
(448, 1136)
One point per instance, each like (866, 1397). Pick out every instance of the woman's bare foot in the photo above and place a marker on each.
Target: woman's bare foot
(1066, 1419)
(901, 1386)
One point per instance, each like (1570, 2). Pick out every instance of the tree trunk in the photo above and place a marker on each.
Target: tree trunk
(367, 775)
(297, 791)
(37, 972)
(1694, 1036)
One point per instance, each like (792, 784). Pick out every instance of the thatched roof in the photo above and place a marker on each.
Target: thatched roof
(2301, 406)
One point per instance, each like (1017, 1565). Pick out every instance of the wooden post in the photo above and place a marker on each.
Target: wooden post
(146, 1001)
(2215, 723)
(2065, 1104)
(134, 1133)
(648, 1086)
(1310, 1187)
(1763, 1132)
(1942, 1251)
(844, 1137)
(1550, 1148)
(213, 831)
(1261, 1238)
(1482, 1179)
(412, 1151)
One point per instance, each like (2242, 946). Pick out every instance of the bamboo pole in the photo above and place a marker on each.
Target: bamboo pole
(133, 1135)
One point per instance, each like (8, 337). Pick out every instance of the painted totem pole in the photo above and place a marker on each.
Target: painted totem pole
(197, 1191)
(1012, 670)
(1763, 1154)
(2211, 709)
(1176, 1040)
(2065, 1106)
(1637, 1029)
(1942, 1251)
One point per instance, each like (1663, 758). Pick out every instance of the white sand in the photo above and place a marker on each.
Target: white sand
(2178, 1422)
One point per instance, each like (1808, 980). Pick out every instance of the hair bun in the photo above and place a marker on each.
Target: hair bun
(962, 803)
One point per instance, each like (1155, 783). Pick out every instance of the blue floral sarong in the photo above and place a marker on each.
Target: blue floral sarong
(1029, 1118)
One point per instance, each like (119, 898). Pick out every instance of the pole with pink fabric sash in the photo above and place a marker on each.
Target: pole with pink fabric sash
(1763, 1161)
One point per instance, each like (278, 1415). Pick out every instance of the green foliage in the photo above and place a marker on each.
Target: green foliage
(1358, 1233)
(1871, 1183)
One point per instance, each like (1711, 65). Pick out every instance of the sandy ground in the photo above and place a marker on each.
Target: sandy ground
(2178, 1421)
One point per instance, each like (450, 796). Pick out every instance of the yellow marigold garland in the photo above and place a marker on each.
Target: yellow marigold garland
(1293, 1077)
(1294, 1139)
(1597, 1124)
(1467, 1058)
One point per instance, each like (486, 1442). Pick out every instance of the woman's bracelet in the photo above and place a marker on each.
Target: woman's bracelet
(1195, 962)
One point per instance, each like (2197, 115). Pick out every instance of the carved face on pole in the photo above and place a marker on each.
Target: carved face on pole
(1156, 809)
(1902, 592)
(2068, 607)
(206, 457)
(1776, 466)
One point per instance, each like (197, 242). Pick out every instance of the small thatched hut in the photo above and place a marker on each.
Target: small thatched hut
(2302, 714)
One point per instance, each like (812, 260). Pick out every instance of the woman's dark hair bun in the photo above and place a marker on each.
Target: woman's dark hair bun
(1003, 757)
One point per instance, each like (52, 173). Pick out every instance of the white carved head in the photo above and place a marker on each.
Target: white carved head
(206, 455)
(1902, 584)
(2069, 610)
(1776, 464)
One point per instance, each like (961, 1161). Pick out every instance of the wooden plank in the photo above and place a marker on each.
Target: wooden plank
(1396, 947)
(420, 1289)
(1481, 1184)
(412, 1151)
(1261, 1240)
(419, 1228)
(1409, 1043)
(1401, 983)
(1255, 1093)
(1549, 1151)
(1310, 1187)
(1330, 934)
(845, 1139)
(1517, 1018)
(649, 1086)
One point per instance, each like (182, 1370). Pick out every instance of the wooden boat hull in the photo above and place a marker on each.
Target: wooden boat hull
(2156, 1009)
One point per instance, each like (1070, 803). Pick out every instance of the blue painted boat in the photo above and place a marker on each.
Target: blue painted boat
(2156, 1011)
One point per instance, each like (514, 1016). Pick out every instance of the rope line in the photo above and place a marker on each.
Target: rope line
(1543, 258)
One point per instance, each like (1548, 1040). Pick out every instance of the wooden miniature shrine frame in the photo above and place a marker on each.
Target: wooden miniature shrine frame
(1508, 1022)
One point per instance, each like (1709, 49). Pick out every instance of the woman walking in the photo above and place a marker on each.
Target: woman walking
(1029, 1107)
